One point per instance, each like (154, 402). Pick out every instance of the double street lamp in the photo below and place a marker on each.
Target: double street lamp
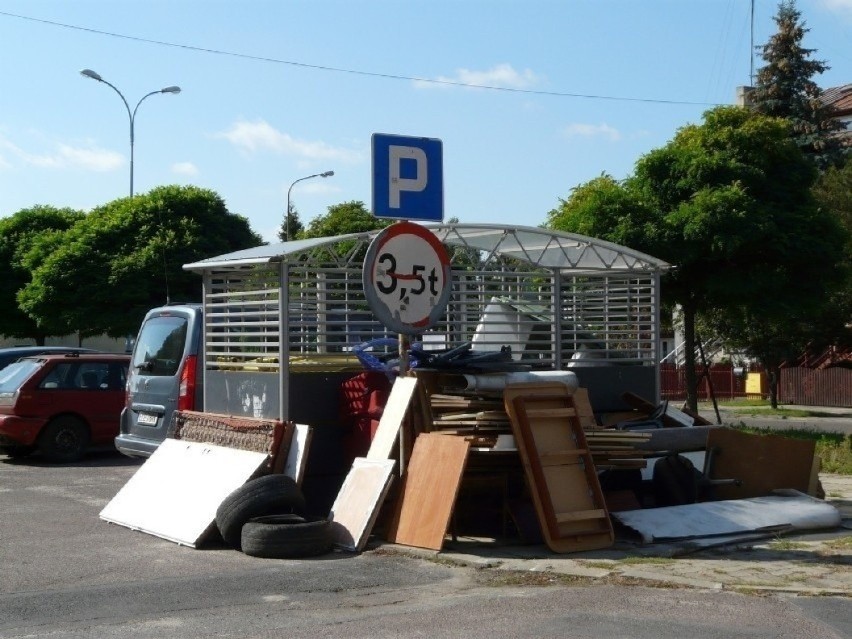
(131, 114)
(295, 182)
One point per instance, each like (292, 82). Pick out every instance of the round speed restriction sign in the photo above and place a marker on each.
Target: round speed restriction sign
(407, 278)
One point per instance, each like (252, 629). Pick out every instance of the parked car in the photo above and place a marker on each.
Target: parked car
(14, 353)
(165, 375)
(60, 405)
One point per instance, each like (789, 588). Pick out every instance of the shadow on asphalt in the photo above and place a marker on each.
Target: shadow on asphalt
(94, 459)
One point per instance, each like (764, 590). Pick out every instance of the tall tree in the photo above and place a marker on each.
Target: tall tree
(18, 233)
(785, 88)
(728, 203)
(344, 218)
(291, 226)
(126, 257)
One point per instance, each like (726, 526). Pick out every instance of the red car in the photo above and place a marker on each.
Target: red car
(60, 405)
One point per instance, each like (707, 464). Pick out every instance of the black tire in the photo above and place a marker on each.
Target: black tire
(279, 537)
(64, 439)
(267, 495)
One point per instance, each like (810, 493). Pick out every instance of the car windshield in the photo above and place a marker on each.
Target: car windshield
(17, 373)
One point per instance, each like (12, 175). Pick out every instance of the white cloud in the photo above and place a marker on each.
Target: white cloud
(254, 137)
(579, 130)
(184, 168)
(66, 156)
(500, 75)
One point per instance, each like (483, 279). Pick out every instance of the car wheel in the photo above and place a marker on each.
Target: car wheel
(64, 439)
(282, 537)
(267, 495)
(16, 452)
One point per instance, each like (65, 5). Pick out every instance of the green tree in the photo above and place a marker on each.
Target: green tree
(18, 233)
(292, 220)
(833, 191)
(728, 203)
(342, 219)
(126, 257)
(785, 88)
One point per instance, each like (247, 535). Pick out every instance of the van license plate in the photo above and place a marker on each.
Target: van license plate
(149, 419)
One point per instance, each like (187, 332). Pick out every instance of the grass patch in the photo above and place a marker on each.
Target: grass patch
(498, 578)
(842, 543)
(786, 544)
(633, 561)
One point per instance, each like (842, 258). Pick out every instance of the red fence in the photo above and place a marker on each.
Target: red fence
(809, 387)
(803, 386)
(726, 383)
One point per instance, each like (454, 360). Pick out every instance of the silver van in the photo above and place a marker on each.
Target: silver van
(165, 375)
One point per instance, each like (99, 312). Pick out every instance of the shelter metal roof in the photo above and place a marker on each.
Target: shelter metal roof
(539, 247)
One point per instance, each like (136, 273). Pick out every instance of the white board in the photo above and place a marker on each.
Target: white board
(356, 508)
(297, 456)
(392, 416)
(175, 493)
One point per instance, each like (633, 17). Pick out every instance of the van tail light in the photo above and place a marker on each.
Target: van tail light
(186, 392)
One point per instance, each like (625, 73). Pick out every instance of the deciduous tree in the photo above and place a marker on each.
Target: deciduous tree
(18, 233)
(126, 257)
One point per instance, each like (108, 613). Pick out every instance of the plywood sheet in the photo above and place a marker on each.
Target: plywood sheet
(356, 508)
(429, 490)
(392, 416)
(762, 462)
(559, 468)
(175, 493)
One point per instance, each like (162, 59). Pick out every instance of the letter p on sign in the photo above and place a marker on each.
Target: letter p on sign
(408, 178)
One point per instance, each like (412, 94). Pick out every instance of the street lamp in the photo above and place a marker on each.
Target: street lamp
(132, 114)
(287, 214)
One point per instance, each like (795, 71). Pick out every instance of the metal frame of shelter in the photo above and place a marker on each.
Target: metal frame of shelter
(557, 300)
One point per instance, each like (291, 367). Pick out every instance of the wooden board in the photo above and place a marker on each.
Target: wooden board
(175, 493)
(356, 508)
(559, 468)
(762, 462)
(429, 490)
(393, 414)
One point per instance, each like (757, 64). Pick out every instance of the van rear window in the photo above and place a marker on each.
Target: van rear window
(160, 346)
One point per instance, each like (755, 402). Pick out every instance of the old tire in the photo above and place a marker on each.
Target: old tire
(267, 495)
(280, 537)
(64, 439)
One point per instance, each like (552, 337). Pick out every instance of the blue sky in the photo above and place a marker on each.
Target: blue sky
(273, 91)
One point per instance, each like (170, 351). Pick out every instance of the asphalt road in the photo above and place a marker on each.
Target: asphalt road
(66, 573)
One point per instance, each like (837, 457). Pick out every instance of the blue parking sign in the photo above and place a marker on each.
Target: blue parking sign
(408, 178)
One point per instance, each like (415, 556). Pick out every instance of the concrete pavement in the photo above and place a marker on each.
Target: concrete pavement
(816, 563)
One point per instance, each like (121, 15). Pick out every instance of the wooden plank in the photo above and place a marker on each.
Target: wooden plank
(390, 423)
(762, 462)
(584, 409)
(551, 412)
(561, 457)
(579, 515)
(356, 508)
(429, 490)
(540, 430)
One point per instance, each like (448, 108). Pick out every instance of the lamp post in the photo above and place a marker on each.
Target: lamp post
(287, 214)
(131, 114)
